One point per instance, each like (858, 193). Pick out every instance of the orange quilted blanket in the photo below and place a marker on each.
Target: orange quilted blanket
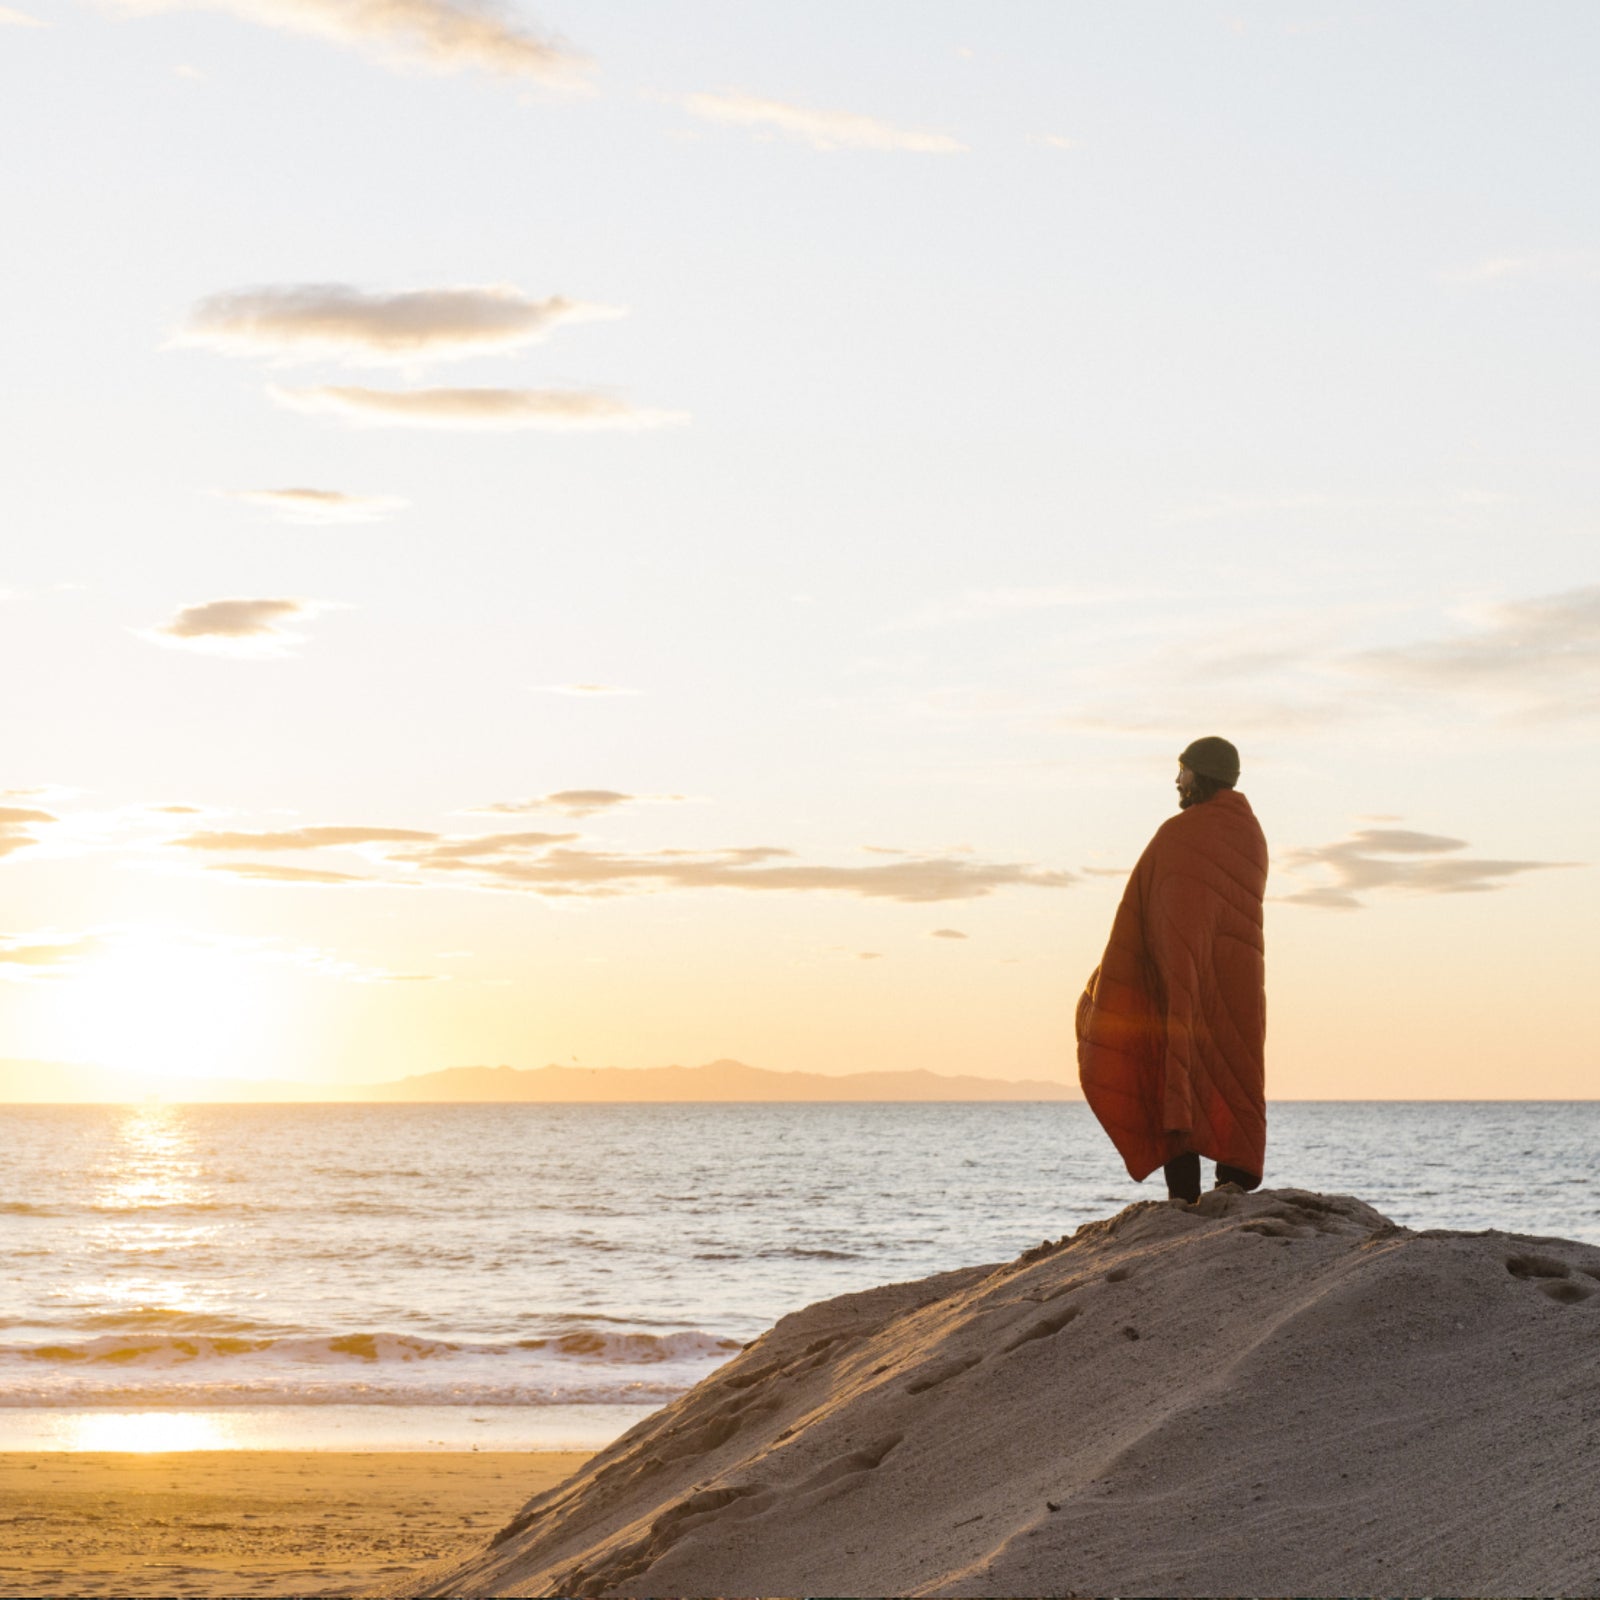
(1172, 1027)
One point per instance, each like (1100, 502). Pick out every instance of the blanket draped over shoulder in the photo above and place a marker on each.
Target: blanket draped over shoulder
(1172, 1027)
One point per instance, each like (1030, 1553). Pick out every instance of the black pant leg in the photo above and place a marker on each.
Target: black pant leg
(1183, 1177)
(1246, 1180)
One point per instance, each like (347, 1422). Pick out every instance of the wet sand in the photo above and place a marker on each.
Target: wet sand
(251, 1522)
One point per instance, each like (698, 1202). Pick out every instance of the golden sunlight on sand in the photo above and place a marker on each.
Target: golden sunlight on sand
(246, 1522)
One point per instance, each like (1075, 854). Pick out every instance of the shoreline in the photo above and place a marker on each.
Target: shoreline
(336, 1429)
(250, 1521)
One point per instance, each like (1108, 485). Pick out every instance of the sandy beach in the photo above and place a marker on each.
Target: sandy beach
(250, 1522)
(1277, 1393)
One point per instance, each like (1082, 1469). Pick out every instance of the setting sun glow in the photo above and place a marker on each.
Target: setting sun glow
(154, 1006)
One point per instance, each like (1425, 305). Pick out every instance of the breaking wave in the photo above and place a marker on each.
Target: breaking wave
(581, 1366)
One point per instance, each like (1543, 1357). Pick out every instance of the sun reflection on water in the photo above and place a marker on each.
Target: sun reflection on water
(155, 1251)
(157, 1166)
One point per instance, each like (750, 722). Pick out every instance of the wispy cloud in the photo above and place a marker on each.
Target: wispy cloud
(1540, 656)
(947, 933)
(600, 873)
(18, 19)
(1055, 141)
(1290, 672)
(274, 872)
(555, 865)
(576, 802)
(309, 321)
(821, 129)
(1396, 859)
(1538, 266)
(474, 408)
(16, 827)
(43, 955)
(324, 837)
(441, 34)
(235, 627)
(320, 506)
(583, 688)
(481, 846)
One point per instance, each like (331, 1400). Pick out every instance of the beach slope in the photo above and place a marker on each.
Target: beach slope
(1279, 1393)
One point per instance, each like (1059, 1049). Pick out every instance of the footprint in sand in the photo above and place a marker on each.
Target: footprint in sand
(1270, 1228)
(849, 1466)
(943, 1373)
(1042, 1329)
(1553, 1278)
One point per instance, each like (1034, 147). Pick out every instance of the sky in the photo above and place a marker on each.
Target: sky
(648, 533)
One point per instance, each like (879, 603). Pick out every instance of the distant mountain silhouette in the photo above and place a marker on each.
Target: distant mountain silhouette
(59, 1081)
(717, 1080)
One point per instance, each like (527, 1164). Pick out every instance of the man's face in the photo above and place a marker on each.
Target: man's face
(1186, 794)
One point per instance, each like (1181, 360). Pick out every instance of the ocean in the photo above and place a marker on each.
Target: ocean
(406, 1276)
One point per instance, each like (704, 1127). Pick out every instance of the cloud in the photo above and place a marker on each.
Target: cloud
(1397, 859)
(271, 872)
(598, 873)
(1540, 655)
(487, 844)
(321, 506)
(330, 837)
(442, 34)
(307, 321)
(1543, 266)
(552, 864)
(822, 130)
(473, 408)
(869, 955)
(947, 933)
(16, 827)
(41, 956)
(1055, 141)
(18, 19)
(575, 802)
(582, 688)
(234, 627)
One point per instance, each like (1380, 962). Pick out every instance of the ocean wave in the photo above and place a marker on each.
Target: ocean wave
(167, 1350)
(795, 1252)
(174, 1319)
(591, 1344)
(582, 1366)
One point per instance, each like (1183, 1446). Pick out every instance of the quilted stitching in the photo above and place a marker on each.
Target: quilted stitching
(1172, 1026)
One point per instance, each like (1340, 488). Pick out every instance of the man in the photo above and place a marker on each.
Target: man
(1172, 1026)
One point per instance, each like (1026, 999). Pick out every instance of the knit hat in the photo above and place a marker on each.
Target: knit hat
(1212, 757)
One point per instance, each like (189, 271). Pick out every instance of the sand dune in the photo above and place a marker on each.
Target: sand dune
(1280, 1393)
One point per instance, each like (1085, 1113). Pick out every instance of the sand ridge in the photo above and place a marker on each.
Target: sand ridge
(1275, 1393)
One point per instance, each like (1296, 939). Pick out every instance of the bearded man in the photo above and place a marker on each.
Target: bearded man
(1172, 1026)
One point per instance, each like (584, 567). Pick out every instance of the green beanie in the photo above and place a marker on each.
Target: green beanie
(1212, 757)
